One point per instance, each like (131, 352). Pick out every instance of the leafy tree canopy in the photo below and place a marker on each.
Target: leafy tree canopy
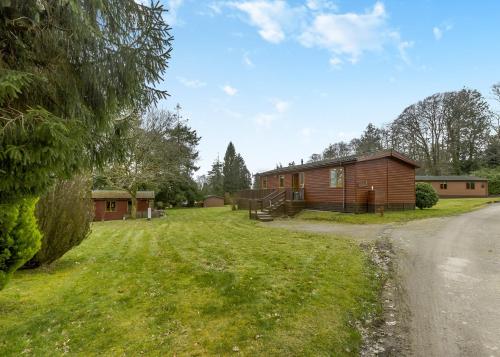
(160, 154)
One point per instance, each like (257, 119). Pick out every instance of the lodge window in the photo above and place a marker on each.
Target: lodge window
(337, 177)
(110, 206)
(282, 181)
(470, 185)
(443, 186)
(301, 179)
(264, 182)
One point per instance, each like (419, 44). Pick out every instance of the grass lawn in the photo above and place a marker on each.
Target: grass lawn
(197, 282)
(445, 207)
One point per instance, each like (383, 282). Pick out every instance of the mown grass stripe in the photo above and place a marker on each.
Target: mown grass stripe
(196, 282)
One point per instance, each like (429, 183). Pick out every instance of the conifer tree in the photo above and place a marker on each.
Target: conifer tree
(71, 72)
(244, 176)
(231, 169)
(216, 179)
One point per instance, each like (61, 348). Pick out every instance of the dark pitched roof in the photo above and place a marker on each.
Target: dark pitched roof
(449, 178)
(342, 160)
(120, 194)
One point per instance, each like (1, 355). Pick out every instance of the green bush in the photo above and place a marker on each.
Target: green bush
(64, 215)
(19, 236)
(425, 195)
(493, 176)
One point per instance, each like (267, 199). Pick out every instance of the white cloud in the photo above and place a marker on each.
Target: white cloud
(271, 17)
(317, 23)
(349, 34)
(264, 119)
(336, 62)
(191, 83)
(439, 31)
(215, 8)
(281, 106)
(231, 91)
(402, 47)
(173, 8)
(247, 61)
(320, 5)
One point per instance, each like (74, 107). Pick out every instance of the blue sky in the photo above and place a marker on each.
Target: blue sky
(283, 79)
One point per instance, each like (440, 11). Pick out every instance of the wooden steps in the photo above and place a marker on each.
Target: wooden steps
(264, 216)
(273, 205)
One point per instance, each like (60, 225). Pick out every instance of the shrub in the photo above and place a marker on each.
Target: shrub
(425, 195)
(19, 236)
(64, 216)
(493, 176)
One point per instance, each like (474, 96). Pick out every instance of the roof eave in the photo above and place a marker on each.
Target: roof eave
(310, 166)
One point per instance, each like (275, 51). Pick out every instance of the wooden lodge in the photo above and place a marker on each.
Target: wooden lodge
(213, 201)
(457, 186)
(116, 204)
(360, 183)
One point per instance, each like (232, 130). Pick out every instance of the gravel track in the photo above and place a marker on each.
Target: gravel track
(449, 273)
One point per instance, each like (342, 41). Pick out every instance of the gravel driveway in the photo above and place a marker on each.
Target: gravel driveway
(449, 269)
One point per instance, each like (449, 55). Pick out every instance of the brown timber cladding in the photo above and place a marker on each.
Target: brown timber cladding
(392, 178)
(459, 188)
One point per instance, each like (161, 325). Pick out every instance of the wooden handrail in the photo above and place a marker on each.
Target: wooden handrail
(271, 198)
(277, 197)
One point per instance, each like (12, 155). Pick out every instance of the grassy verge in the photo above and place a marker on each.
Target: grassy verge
(445, 207)
(197, 282)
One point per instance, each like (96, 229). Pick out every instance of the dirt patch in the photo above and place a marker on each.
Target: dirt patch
(387, 334)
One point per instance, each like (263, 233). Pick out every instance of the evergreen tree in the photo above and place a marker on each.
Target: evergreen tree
(231, 170)
(64, 215)
(216, 179)
(244, 176)
(71, 72)
(236, 175)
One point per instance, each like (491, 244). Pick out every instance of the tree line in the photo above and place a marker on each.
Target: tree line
(160, 154)
(451, 133)
(228, 176)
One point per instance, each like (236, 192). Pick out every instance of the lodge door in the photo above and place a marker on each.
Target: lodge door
(295, 182)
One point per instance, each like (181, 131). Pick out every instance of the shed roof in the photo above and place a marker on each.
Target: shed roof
(449, 178)
(343, 160)
(104, 194)
(214, 196)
